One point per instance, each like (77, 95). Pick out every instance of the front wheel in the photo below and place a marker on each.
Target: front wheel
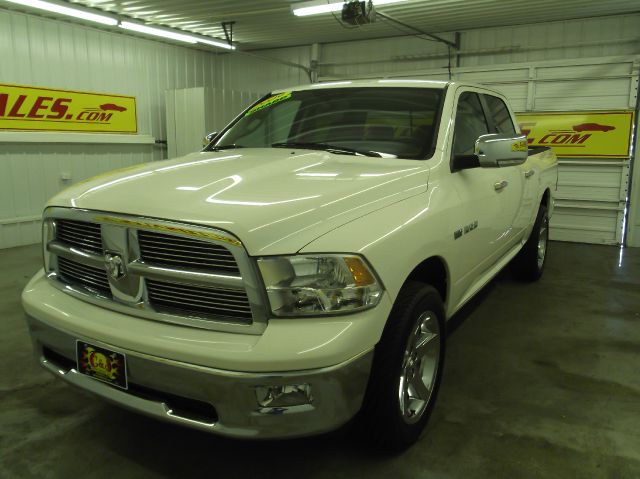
(528, 265)
(406, 371)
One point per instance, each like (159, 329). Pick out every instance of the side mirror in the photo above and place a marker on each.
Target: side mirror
(208, 138)
(495, 150)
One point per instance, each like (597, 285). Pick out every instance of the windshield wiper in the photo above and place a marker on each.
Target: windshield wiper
(233, 146)
(326, 147)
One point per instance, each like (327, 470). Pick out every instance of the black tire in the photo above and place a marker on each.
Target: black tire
(527, 265)
(381, 417)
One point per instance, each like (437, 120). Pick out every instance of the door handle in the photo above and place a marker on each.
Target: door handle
(529, 174)
(500, 185)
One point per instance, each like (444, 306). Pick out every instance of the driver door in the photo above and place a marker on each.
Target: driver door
(488, 198)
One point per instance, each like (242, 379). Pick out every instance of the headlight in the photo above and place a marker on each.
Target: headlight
(311, 285)
(48, 235)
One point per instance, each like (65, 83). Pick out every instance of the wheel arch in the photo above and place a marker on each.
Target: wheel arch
(433, 271)
(547, 200)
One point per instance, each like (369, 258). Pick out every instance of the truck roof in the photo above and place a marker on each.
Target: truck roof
(382, 82)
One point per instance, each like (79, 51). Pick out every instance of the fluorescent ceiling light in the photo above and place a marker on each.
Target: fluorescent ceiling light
(315, 8)
(214, 43)
(173, 35)
(137, 27)
(71, 12)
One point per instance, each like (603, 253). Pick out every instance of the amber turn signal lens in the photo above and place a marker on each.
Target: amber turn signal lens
(361, 274)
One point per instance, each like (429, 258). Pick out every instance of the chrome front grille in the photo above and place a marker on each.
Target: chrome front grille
(199, 300)
(182, 252)
(83, 275)
(80, 234)
(155, 269)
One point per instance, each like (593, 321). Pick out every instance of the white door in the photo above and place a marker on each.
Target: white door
(485, 212)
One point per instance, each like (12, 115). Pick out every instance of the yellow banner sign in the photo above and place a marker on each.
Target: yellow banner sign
(583, 134)
(31, 108)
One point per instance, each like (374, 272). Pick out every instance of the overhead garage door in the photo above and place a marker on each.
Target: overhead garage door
(592, 193)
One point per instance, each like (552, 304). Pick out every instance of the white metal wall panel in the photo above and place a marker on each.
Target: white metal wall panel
(574, 93)
(185, 120)
(255, 73)
(581, 38)
(31, 174)
(590, 200)
(581, 225)
(633, 236)
(571, 39)
(188, 121)
(44, 52)
(226, 105)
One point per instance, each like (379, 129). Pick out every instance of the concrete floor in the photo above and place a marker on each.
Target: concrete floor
(541, 380)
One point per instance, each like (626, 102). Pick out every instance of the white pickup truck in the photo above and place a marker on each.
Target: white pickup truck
(298, 272)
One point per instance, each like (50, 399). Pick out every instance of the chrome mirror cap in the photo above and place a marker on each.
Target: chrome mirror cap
(496, 150)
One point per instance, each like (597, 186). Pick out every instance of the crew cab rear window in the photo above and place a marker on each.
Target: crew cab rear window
(500, 114)
(470, 124)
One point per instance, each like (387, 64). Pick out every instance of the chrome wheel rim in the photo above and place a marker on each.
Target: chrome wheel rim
(543, 237)
(419, 367)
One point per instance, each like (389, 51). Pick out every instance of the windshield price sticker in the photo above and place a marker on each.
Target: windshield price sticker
(272, 100)
(519, 146)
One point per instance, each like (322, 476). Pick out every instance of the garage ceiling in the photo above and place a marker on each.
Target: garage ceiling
(270, 23)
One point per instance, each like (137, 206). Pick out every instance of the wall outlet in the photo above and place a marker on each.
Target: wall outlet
(65, 176)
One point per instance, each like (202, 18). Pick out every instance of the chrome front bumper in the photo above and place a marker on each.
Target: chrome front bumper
(218, 401)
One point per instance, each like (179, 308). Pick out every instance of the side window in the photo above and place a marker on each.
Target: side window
(470, 124)
(500, 114)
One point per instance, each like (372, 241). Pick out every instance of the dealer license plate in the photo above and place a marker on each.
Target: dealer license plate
(102, 364)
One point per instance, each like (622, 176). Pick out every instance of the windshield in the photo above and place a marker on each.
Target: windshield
(382, 122)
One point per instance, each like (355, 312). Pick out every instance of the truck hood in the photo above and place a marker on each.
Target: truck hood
(274, 200)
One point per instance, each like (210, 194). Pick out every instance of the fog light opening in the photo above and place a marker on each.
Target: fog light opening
(284, 396)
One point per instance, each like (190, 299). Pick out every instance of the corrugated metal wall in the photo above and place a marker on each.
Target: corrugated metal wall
(44, 52)
(572, 39)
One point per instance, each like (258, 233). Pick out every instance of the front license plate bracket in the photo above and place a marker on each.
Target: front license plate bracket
(102, 364)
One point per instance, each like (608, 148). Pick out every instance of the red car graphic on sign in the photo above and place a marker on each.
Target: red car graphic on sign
(593, 127)
(112, 107)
